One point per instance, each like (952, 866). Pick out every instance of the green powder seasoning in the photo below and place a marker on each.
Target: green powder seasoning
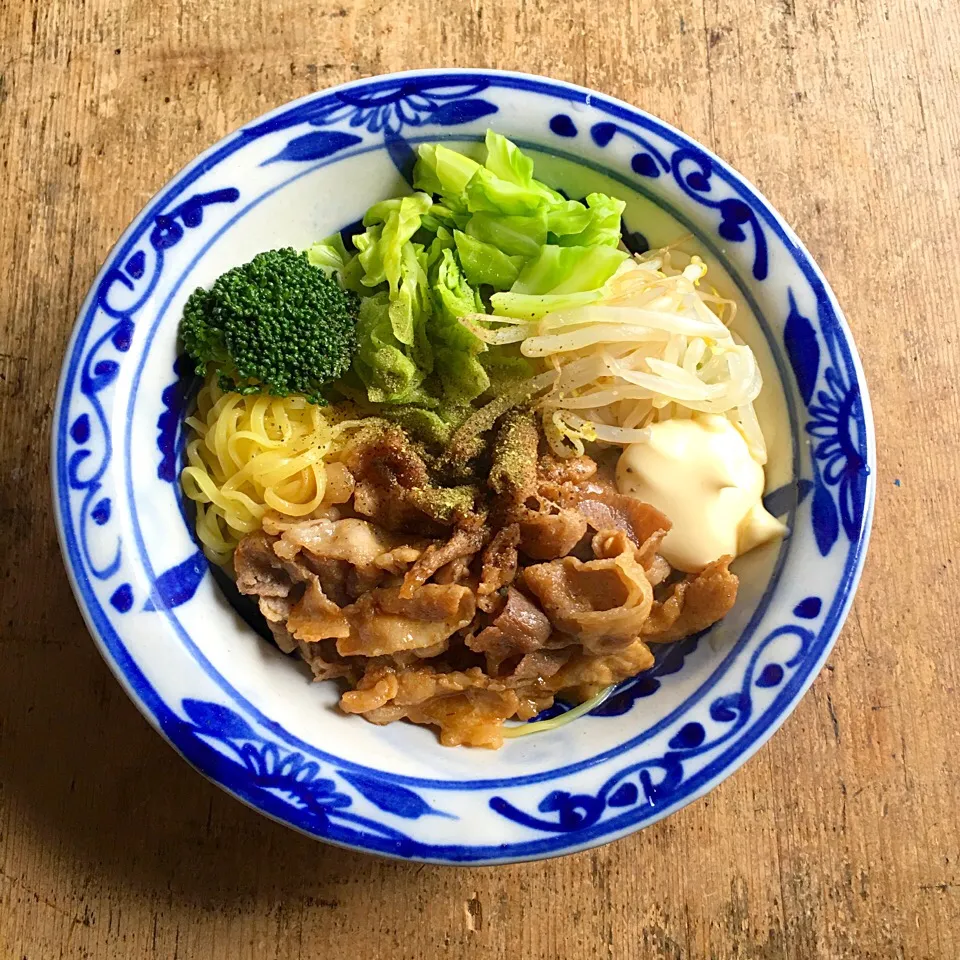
(445, 503)
(514, 467)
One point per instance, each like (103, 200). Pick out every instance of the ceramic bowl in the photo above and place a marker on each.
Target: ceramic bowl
(244, 714)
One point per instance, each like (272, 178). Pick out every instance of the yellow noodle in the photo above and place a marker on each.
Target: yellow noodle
(246, 454)
(258, 413)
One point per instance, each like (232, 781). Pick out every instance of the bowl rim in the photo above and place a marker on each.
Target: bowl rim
(538, 85)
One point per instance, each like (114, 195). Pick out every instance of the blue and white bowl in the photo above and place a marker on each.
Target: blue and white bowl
(244, 714)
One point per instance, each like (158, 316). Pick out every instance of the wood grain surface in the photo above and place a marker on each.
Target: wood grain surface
(841, 837)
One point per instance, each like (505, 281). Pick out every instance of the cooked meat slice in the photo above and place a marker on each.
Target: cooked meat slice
(520, 627)
(359, 581)
(385, 456)
(547, 536)
(275, 523)
(259, 570)
(377, 635)
(276, 583)
(340, 484)
(298, 570)
(540, 665)
(694, 604)
(550, 527)
(499, 565)
(468, 538)
(350, 556)
(467, 706)
(388, 713)
(326, 663)
(282, 637)
(513, 472)
(454, 571)
(275, 610)
(433, 602)
(605, 509)
(664, 614)
(657, 571)
(356, 541)
(611, 543)
(553, 469)
(647, 555)
(381, 684)
(333, 576)
(444, 506)
(390, 508)
(376, 689)
(602, 603)
(422, 653)
(584, 676)
(382, 622)
(561, 481)
(473, 718)
(398, 560)
(316, 617)
(394, 488)
(385, 466)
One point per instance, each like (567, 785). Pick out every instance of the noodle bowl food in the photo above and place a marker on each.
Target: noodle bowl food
(478, 459)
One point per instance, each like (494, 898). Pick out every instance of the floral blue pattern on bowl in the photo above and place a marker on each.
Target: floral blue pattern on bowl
(243, 714)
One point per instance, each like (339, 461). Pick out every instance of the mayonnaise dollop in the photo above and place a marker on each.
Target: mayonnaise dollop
(699, 473)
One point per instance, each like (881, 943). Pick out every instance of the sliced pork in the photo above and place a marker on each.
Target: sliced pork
(382, 622)
(460, 607)
(602, 603)
(520, 628)
(694, 604)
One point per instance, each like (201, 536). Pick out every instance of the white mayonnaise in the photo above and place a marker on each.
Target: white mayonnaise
(699, 473)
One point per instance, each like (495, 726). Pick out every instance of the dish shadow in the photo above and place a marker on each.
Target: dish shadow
(90, 786)
(84, 775)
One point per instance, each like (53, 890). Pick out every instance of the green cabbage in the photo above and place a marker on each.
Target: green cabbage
(422, 259)
(515, 236)
(603, 223)
(507, 162)
(329, 255)
(381, 248)
(486, 191)
(462, 376)
(568, 269)
(506, 368)
(531, 306)
(443, 240)
(390, 375)
(369, 256)
(559, 279)
(483, 263)
(443, 171)
(410, 305)
(571, 217)
(441, 215)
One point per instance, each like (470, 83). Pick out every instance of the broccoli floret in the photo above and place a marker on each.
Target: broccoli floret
(275, 325)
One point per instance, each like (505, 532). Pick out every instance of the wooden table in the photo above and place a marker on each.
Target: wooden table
(840, 838)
